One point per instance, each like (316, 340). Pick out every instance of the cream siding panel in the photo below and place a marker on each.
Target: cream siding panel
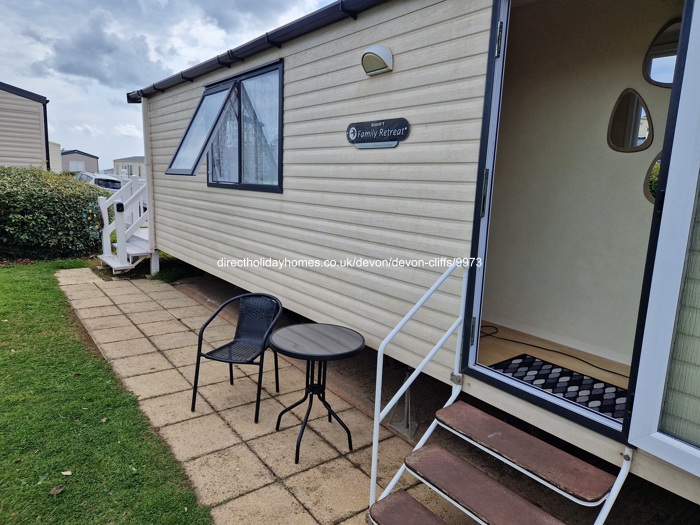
(22, 137)
(413, 202)
(55, 156)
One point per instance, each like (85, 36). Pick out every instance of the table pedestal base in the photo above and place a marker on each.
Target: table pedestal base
(315, 386)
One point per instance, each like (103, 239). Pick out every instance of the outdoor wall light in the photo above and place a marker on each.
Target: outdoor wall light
(377, 59)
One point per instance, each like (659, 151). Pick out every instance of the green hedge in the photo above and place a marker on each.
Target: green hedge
(654, 178)
(46, 215)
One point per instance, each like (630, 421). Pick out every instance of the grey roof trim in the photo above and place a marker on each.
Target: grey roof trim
(24, 93)
(135, 158)
(339, 10)
(78, 152)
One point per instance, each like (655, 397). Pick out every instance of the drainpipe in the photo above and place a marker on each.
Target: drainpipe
(46, 138)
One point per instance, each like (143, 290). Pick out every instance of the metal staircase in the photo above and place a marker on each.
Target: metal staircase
(471, 490)
(125, 216)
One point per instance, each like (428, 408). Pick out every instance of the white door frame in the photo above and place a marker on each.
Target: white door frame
(664, 295)
(484, 205)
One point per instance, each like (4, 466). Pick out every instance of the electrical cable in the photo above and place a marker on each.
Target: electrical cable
(495, 331)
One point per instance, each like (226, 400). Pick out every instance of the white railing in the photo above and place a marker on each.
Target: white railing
(380, 414)
(130, 213)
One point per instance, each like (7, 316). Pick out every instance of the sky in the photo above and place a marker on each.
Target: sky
(85, 55)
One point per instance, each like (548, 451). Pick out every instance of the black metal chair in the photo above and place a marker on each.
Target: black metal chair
(257, 315)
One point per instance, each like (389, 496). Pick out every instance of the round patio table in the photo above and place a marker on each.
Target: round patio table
(316, 344)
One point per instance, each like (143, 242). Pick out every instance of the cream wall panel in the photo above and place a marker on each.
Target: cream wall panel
(412, 202)
(359, 310)
(22, 137)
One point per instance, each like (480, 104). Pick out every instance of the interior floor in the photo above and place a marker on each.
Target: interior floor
(498, 343)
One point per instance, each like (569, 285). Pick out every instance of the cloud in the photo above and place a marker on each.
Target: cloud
(96, 53)
(86, 129)
(128, 130)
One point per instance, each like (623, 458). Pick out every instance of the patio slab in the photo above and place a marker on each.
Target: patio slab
(271, 504)
(222, 395)
(324, 490)
(277, 450)
(145, 306)
(157, 384)
(171, 326)
(177, 302)
(141, 364)
(147, 285)
(213, 431)
(186, 355)
(127, 348)
(241, 418)
(176, 340)
(77, 276)
(150, 316)
(92, 302)
(173, 408)
(199, 311)
(226, 474)
(120, 333)
(99, 311)
(109, 321)
(131, 296)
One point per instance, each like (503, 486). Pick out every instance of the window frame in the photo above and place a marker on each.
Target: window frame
(237, 81)
(208, 91)
(231, 85)
(679, 179)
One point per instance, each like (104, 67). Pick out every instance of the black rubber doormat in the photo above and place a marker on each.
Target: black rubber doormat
(589, 392)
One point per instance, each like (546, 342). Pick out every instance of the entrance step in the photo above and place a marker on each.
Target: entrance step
(551, 466)
(401, 509)
(136, 247)
(112, 261)
(482, 497)
(477, 493)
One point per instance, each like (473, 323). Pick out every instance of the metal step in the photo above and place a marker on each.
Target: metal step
(479, 495)
(399, 508)
(549, 465)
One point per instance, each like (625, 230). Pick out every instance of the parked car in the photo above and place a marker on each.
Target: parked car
(107, 182)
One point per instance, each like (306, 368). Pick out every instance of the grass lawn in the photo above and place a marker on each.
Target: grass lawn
(68, 427)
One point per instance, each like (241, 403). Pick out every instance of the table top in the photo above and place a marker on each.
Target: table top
(317, 342)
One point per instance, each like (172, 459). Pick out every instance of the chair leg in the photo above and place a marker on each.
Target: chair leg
(257, 400)
(230, 372)
(277, 374)
(196, 379)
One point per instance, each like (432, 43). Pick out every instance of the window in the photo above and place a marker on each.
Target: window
(238, 126)
(76, 165)
(660, 60)
(630, 126)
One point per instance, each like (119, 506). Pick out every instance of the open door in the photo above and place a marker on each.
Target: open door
(665, 418)
(566, 216)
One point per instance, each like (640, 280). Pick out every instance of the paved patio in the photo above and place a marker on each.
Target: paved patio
(147, 330)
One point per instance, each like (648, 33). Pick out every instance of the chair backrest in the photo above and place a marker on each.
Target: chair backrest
(257, 314)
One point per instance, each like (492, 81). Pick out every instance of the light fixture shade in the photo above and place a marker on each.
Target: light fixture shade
(377, 59)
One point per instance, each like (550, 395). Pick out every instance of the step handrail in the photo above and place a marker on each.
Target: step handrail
(129, 215)
(380, 414)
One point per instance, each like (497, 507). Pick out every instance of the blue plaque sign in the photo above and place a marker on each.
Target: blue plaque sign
(378, 133)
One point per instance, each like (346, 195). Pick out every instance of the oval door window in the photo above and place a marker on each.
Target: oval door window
(630, 126)
(660, 60)
(651, 181)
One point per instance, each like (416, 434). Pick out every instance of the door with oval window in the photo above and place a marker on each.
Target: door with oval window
(568, 207)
